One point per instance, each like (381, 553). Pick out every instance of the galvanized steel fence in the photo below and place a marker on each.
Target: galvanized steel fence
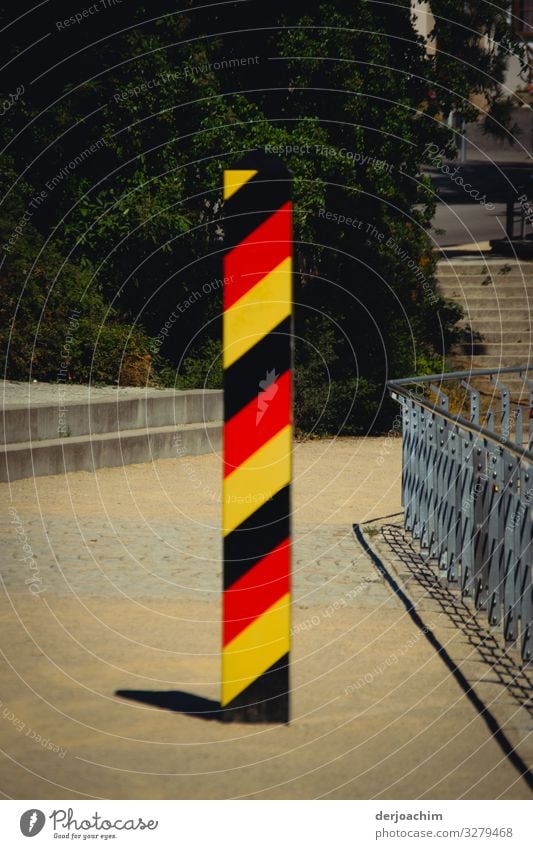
(467, 493)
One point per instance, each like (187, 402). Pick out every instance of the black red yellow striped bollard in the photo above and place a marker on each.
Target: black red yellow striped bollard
(257, 440)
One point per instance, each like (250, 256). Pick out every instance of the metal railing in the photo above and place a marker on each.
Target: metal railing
(467, 492)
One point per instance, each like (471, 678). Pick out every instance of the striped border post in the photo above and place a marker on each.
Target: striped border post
(257, 354)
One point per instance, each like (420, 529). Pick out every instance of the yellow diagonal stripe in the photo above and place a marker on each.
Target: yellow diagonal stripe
(254, 483)
(233, 180)
(255, 649)
(257, 312)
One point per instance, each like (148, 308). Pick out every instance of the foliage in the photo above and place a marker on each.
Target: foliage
(349, 95)
(55, 326)
(475, 41)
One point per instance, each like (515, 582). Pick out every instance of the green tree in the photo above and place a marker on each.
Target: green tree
(349, 95)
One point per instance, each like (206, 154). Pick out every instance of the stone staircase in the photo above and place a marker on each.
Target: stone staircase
(52, 437)
(497, 299)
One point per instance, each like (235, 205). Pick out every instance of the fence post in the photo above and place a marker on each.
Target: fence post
(257, 333)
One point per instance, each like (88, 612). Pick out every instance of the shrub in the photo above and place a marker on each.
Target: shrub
(54, 323)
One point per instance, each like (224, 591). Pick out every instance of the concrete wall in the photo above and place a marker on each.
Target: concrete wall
(50, 421)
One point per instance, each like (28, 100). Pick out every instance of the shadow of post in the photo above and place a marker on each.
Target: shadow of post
(176, 701)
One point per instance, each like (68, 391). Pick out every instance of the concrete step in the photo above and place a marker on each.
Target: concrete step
(492, 278)
(499, 267)
(151, 409)
(499, 337)
(509, 324)
(483, 311)
(517, 388)
(500, 293)
(518, 301)
(486, 361)
(95, 451)
(497, 301)
(488, 278)
(521, 352)
(520, 391)
(521, 307)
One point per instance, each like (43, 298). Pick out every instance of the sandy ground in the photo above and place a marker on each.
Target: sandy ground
(336, 481)
(99, 683)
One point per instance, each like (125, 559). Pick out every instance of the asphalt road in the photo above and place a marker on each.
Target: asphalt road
(459, 219)
(460, 224)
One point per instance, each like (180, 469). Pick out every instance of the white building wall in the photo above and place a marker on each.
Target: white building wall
(424, 23)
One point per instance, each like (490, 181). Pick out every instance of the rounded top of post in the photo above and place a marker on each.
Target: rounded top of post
(255, 188)
(263, 161)
(255, 171)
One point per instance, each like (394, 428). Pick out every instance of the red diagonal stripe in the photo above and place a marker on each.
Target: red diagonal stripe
(259, 421)
(257, 255)
(258, 589)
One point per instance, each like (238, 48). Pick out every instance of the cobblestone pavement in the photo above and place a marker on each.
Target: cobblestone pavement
(125, 558)
(110, 635)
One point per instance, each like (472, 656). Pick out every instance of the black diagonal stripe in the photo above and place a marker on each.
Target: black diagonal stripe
(257, 536)
(257, 199)
(265, 700)
(241, 379)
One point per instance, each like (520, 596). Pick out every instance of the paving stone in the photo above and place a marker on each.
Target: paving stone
(172, 560)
